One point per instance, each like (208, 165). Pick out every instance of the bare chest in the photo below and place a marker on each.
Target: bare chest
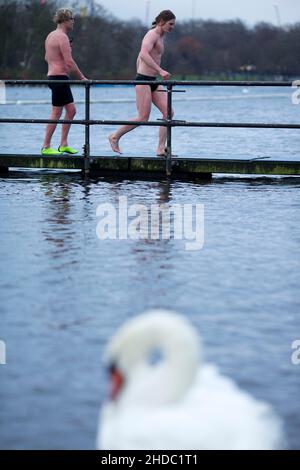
(158, 48)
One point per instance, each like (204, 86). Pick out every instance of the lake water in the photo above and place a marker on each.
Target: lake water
(64, 292)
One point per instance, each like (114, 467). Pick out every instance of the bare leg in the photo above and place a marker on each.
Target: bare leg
(143, 103)
(55, 114)
(70, 113)
(161, 102)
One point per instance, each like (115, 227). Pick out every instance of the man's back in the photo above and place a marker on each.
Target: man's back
(58, 53)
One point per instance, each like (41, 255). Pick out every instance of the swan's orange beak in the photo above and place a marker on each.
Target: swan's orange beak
(116, 382)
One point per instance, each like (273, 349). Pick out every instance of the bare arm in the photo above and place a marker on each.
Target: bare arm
(66, 51)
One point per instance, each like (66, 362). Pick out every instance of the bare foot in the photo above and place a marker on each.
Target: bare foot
(114, 143)
(161, 152)
(164, 153)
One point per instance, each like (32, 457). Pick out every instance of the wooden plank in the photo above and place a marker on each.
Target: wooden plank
(39, 161)
(155, 165)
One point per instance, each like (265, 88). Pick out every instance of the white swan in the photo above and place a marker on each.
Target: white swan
(175, 403)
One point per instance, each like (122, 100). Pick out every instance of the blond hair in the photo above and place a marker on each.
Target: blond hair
(62, 15)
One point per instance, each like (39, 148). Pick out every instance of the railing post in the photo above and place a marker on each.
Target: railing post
(86, 147)
(169, 131)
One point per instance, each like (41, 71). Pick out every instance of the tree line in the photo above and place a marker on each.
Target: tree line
(106, 47)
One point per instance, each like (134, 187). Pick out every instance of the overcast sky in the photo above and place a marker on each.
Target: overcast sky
(250, 11)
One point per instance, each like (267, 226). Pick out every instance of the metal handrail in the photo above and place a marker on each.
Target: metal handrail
(247, 83)
(162, 123)
(168, 122)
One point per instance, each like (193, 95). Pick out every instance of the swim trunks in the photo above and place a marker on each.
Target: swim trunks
(61, 92)
(145, 78)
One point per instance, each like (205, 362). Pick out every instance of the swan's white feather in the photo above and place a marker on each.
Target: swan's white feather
(208, 412)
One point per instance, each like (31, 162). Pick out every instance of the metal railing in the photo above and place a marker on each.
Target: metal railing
(169, 123)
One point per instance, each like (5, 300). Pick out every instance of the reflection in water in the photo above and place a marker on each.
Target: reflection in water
(57, 222)
(164, 194)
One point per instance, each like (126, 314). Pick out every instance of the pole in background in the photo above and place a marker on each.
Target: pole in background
(277, 13)
(193, 9)
(147, 15)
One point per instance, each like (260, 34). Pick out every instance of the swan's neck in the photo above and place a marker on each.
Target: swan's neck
(170, 379)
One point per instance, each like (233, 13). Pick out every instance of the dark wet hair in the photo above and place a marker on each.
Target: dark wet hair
(165, 15)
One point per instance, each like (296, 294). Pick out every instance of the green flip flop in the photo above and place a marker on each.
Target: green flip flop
(50, 151)
(67, 150)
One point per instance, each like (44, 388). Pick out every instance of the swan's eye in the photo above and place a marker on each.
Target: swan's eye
(116, 382)
(155, 357)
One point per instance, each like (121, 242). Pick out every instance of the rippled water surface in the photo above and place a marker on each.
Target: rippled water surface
(64, 292)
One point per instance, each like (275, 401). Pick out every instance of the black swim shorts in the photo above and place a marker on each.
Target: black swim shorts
(61, 92)
(145, 78)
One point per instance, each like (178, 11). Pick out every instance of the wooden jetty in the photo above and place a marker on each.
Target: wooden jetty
(152, 166)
